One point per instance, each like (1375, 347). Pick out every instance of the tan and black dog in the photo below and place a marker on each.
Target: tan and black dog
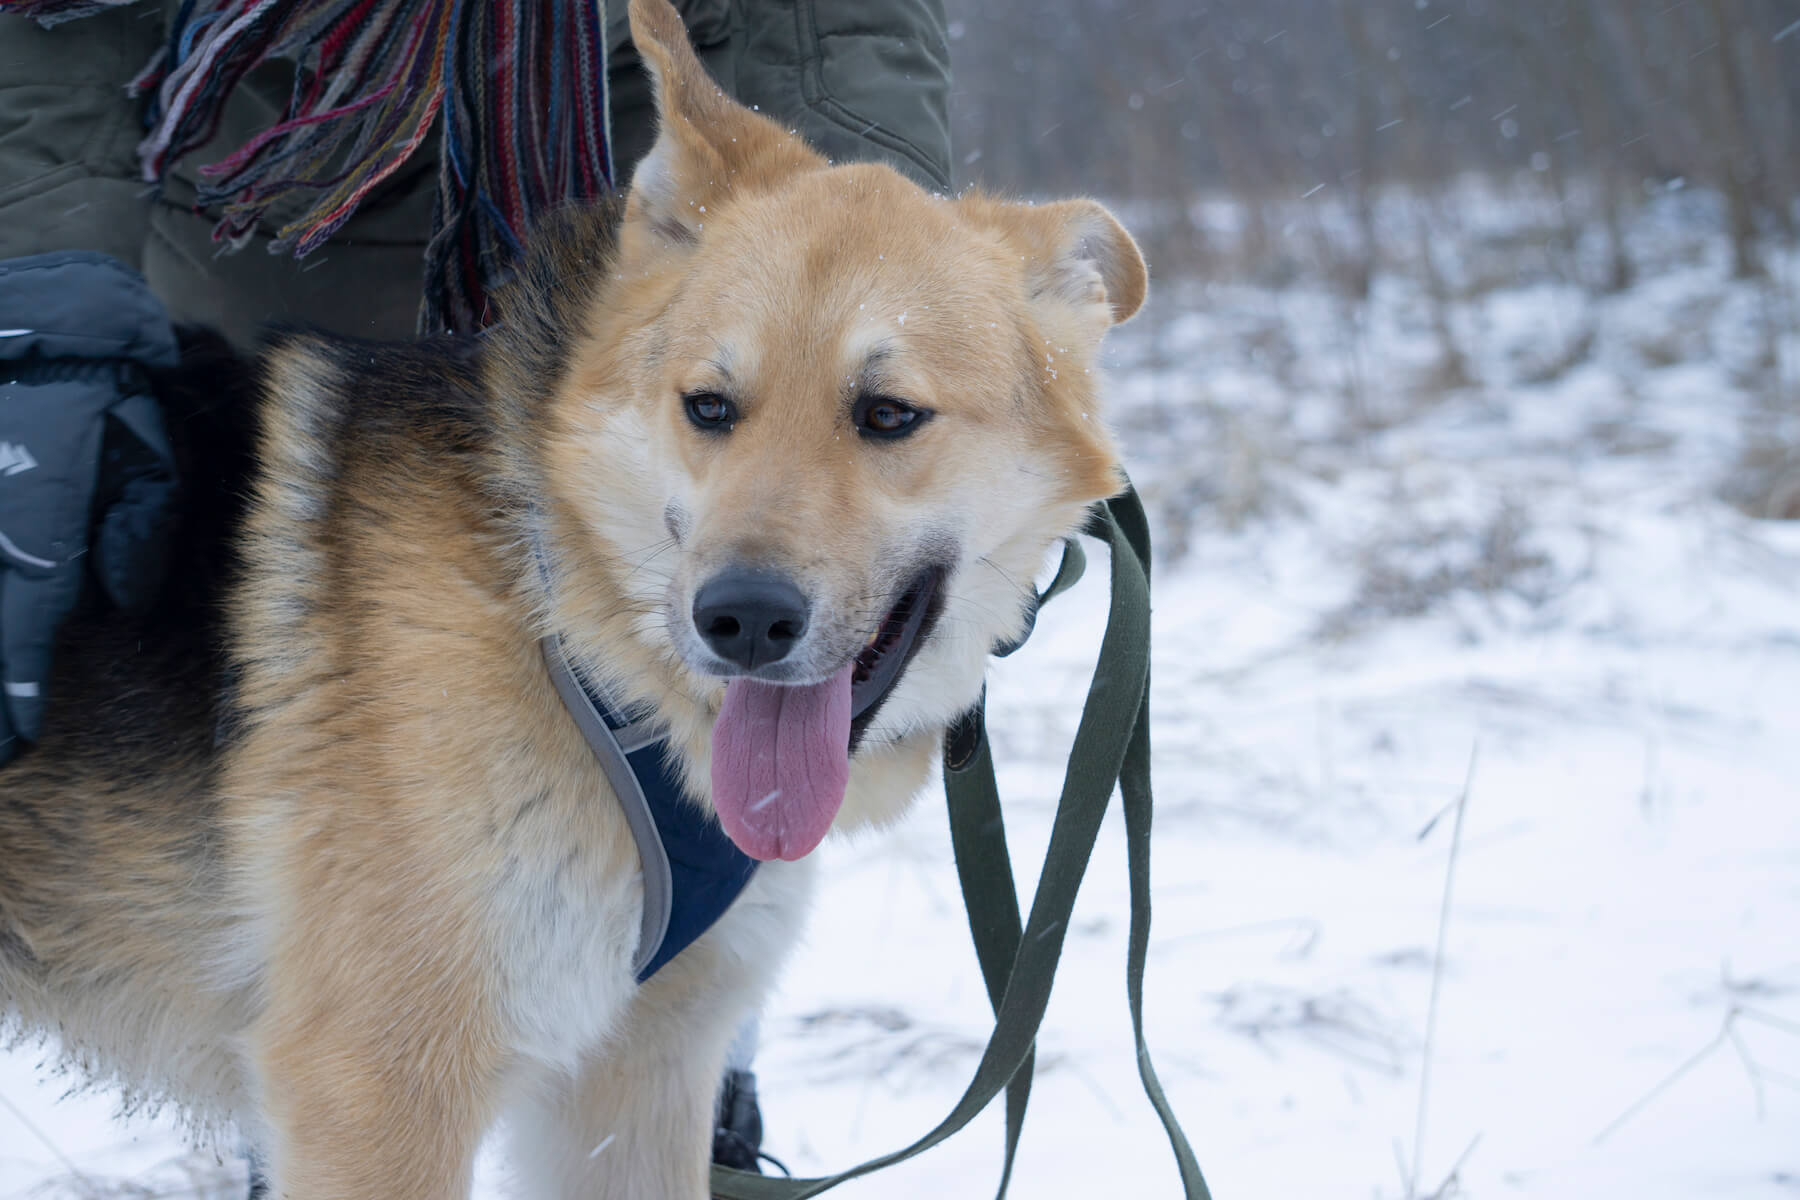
(775, 447)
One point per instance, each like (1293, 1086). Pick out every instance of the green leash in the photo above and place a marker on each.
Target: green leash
(1018, 964)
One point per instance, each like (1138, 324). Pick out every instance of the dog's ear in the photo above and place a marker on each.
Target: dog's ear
(707, 145)
(1079, 261)
(1081, 274)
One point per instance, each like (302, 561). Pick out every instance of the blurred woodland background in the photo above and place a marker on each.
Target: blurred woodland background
(1157, 101)
(1415, 200)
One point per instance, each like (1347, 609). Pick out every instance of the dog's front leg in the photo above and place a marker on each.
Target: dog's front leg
(635, 1122)
(376, 1056)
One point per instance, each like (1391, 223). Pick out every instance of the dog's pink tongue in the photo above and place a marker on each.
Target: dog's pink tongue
(781, 760)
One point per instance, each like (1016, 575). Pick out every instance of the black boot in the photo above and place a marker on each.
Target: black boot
(737, 1123)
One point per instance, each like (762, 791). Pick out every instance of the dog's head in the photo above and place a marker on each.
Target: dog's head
(819, 431)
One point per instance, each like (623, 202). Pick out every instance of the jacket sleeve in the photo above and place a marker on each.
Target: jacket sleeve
(68, 134)
(859, 79)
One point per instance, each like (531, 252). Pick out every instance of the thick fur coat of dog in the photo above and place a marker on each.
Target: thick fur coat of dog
(775, 447)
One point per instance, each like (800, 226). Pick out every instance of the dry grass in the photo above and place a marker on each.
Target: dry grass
(1339, 1023)
(1412, 568)
(886, 1043)
(1766, 482)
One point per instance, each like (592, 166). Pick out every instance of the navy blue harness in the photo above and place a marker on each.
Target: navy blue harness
(692, 871)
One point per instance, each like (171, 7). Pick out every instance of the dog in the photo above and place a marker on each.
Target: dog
(773, 446)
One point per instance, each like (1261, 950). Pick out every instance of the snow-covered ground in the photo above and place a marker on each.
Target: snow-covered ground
(1397, 588)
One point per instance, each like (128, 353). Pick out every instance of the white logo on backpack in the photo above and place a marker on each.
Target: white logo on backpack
(15, 460)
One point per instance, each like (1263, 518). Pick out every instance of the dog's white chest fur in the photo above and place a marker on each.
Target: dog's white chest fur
(564, 928)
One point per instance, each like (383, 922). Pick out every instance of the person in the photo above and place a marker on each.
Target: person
(96, 264)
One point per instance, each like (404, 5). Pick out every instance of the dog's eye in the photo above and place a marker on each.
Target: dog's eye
(711, 411)
(885, 417)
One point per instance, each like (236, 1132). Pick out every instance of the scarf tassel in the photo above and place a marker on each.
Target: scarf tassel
(520, 86)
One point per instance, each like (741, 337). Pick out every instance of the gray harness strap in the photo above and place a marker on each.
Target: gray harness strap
(610, 746)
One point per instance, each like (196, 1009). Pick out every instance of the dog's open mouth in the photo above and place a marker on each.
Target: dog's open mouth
(891, 647)
(781, 753)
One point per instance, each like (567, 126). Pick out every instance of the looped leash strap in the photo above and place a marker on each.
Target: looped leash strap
(1068, 574)
(1112, 745)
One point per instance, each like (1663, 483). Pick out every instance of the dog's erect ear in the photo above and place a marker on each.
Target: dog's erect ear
(1091, 259)
(1078, 258)
(707, 145)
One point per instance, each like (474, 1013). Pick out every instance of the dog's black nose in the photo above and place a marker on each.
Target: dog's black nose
(750, 618)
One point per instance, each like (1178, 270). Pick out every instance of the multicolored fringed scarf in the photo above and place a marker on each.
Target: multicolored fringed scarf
(520, 86)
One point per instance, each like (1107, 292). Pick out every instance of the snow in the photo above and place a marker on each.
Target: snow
(1376, 588)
